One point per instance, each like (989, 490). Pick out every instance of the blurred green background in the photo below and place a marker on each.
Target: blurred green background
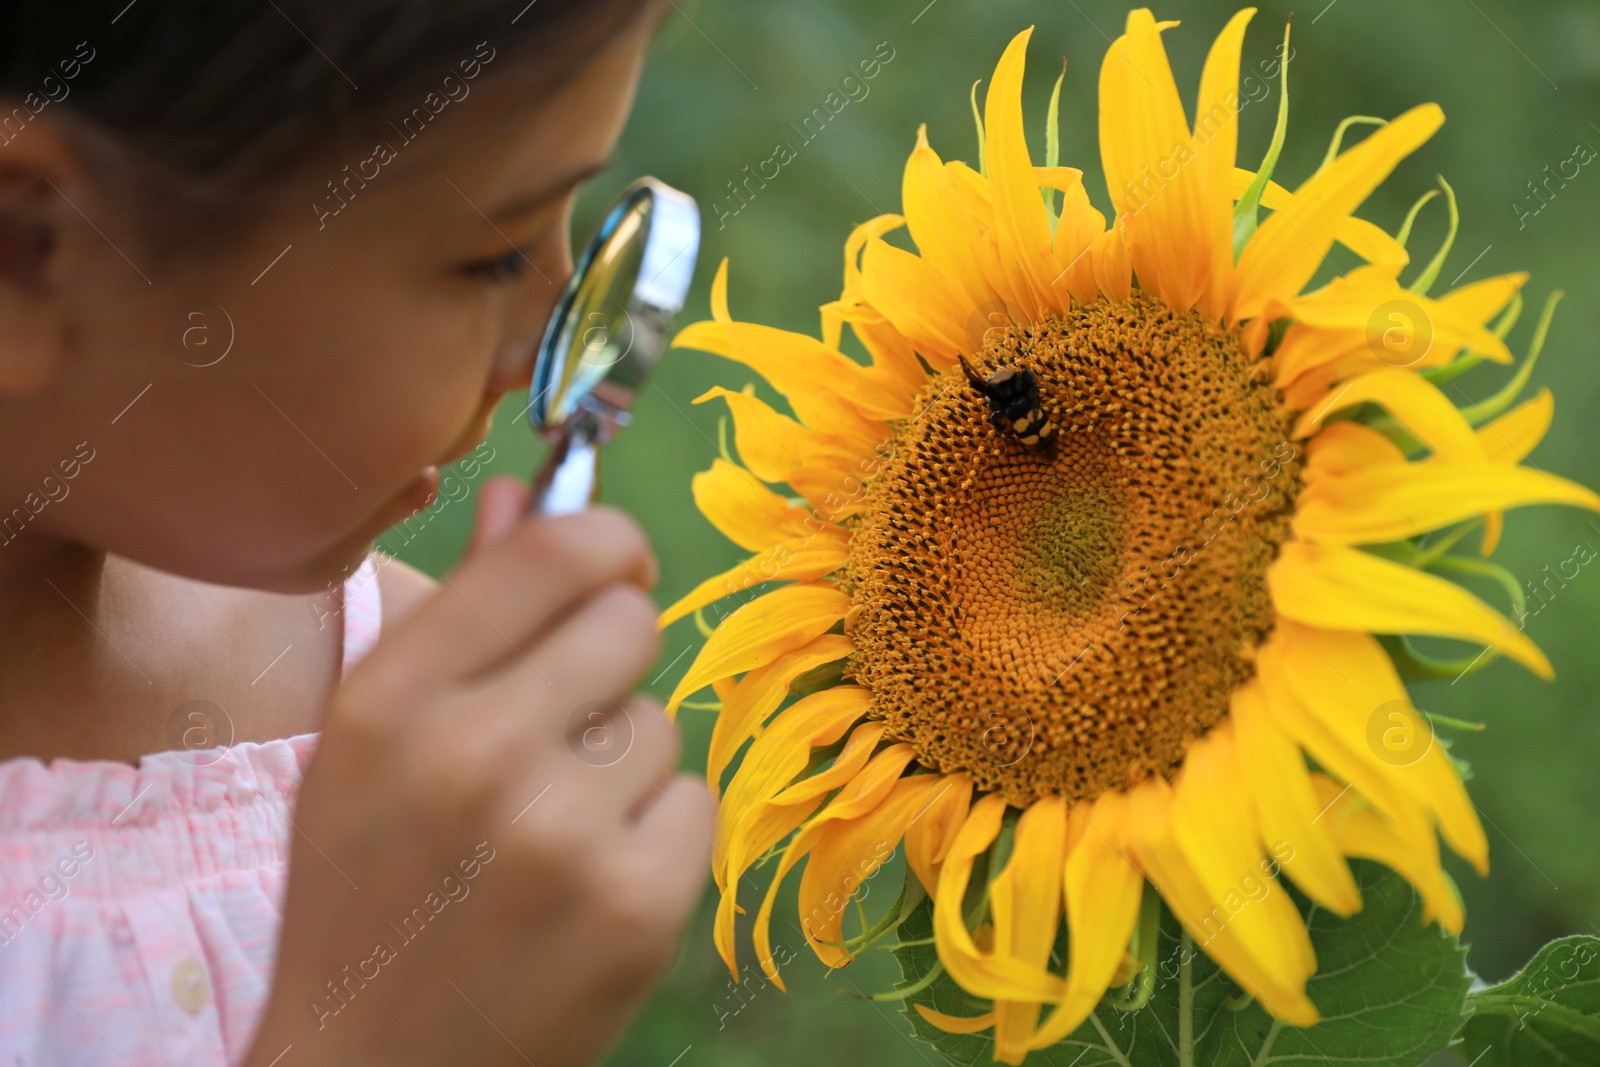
(730, 79)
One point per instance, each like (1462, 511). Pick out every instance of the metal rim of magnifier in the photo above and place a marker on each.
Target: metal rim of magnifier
(659, 295)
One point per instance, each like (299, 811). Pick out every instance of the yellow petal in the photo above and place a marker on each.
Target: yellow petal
(982, 974)
(1363, 832)
(1113, 272)
(748, 825)
(1518, 432)
(828, 390)
(876, 792)
(1340, 588)
(1145, 145)
(770, 444)
(758, 695)
(1482, 300)
(1327, 740)
(1347, 680)
(799, 559)
(760, 632)
(1216, 143)
(1348, 448)
(859, 236)
(748, 810)
(945, 234)
(972, 191)
(1022, 227)
(1286, 804)
(1371, 242)
(1026, 905)
(1226, 857)
(931, 834)
(956, 1024)
(1103, 890)
(1383, 504)
(847, 853)
(1154, 845)
(893, 355)
(746, 512)
(1286, 251)
(1077, 229)
(1406, 329)
(1416, 402)
(916, 298)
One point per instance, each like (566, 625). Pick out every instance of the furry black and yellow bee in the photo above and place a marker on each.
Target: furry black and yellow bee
(1014, 406)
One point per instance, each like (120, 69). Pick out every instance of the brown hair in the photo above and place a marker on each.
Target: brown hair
(195, 103)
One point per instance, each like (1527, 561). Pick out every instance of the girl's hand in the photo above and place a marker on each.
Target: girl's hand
(493, 859)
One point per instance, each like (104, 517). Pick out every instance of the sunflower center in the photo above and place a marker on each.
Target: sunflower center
(1067, 620)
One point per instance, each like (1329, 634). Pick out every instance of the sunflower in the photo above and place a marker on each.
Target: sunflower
(1085, 566)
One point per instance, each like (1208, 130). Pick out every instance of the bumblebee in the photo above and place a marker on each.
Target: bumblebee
(1013, 395)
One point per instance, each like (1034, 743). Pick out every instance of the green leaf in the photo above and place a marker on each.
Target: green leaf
(1545, 1015)
(1391, 992)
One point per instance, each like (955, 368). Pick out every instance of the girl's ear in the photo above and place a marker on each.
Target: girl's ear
(36, 166)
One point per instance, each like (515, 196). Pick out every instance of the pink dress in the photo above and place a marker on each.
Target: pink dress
(139, 907)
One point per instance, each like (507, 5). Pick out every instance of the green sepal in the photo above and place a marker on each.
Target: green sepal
(977, 119)
(1052, 143)
(1244, 212)
(1338, 138)
(1492, 408)
(1430, 273)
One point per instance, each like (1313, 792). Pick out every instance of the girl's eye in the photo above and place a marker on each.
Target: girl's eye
(508, 267)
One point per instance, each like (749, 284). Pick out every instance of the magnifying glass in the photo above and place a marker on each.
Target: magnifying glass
(605, 335)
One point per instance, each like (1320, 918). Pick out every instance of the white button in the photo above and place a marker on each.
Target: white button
(190, 987)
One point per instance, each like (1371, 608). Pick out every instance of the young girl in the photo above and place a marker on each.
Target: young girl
(264, 268)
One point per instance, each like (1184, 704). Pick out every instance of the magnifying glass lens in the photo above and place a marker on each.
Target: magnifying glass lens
(596, 330)
(606, 333)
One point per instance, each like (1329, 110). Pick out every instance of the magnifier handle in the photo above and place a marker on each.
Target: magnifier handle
(569, 480)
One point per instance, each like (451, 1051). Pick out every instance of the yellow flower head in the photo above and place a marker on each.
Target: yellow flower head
(1096, 546)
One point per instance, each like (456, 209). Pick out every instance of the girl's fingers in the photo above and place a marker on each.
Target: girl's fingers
(625, 751)
(501, 600)
(501, 502)
(671, 841)
(586, 665)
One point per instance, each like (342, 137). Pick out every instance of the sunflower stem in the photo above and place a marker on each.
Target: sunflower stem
(1186, 1003)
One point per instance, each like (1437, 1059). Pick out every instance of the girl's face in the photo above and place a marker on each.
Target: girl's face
(258, 413)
